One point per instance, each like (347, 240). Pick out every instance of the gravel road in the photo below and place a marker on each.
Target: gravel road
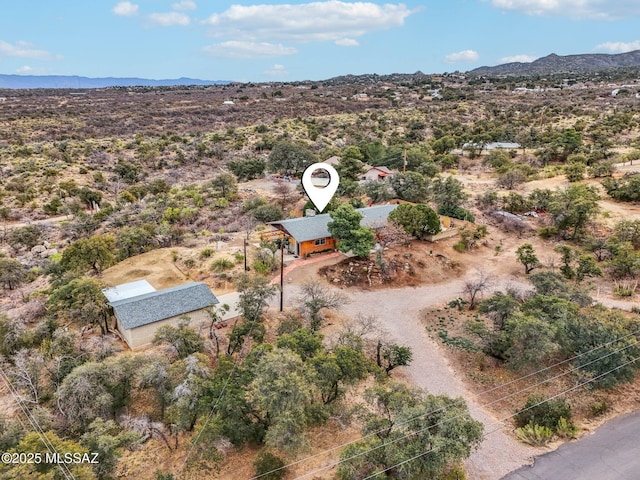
(398, 313)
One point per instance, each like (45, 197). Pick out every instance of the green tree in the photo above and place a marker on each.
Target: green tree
(282, 390)
(290, 158)
(255, 292)
(95, 252)
(345, 227)
(605, 345)
(448, 193)
(377, 191)
(334, 370)
(390, 356)
(500, 307)
(350, 166)
(532, 343)
(33, 444)
(225, 185)
(575, 171)
(28, 236)
(182, 338)
(573, 208)
(303, 341)
(82, 301)
(12, 272)
(527, 256)
(107, 438)
(247, 168)
(410, 186)
(440, 433)
(417, 220)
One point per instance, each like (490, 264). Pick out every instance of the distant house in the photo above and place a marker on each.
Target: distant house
(140, 309)
(308, 235)
(375, 174)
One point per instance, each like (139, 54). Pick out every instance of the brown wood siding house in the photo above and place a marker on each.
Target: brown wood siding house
(309, 235)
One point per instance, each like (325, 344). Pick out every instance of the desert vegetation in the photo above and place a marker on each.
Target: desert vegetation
(89, 183)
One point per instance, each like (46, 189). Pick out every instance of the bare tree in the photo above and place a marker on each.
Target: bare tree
(316, 296)
(474, 287)
(284, 192)
(28, 373)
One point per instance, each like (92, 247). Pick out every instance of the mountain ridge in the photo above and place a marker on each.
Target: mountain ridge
(554, 64)
(12, 81)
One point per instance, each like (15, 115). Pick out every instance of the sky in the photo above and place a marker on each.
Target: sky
(289, 40)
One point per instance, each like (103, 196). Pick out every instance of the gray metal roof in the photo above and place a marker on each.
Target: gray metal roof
(311, 228)
(155, 306)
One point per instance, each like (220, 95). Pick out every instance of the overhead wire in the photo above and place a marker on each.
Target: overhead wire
(511, 382)
(36, 426)
(410, 434)
(506, 418)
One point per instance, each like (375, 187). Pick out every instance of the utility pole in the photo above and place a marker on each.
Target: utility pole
(244, 243)
(404, 163)
(282, 273)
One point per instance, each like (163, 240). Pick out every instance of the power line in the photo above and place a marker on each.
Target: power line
(524, 377)
(510, 416)
(410, 434)
(36, 426)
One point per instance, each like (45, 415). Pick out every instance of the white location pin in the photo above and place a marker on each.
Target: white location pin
(320, 189)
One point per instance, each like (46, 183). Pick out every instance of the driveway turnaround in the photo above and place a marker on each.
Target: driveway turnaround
(612, 452)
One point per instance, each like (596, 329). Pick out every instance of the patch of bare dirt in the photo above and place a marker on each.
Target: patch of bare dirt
(405, 266)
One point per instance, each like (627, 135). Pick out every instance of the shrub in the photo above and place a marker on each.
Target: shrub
(536, 435)
(265, 464)
(598, 409)
(539, 411)
(221, 264)
(566, 429)
(206, 253)
(457, 212)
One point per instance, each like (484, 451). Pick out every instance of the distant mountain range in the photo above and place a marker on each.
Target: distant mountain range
(73, 81)
(554, 64)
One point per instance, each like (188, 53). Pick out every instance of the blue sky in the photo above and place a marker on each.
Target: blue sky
(266, 40)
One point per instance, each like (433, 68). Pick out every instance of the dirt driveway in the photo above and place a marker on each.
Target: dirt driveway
(398, 312)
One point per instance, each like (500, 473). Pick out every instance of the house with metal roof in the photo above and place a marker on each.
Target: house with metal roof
(375, 174)
(308, 235)
(140, 309)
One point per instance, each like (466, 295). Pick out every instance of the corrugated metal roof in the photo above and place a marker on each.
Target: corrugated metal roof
(311, 228)
(155, 306)
(127, 290)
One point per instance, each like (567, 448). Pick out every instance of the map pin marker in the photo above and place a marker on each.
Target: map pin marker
(319, 189)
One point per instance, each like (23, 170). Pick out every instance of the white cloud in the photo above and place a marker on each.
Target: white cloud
(170, 19)
(518, 58)
(330, 20)
(619, 47)
(25, 70)
(241, 49)
(594, 9)
(463, 56)
(347, 42)
(276, 71)
(24, 50)
(184, 5)
(126, 9)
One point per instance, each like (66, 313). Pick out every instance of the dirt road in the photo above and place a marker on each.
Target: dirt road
(398, 313)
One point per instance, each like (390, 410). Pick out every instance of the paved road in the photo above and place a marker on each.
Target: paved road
(612, 452)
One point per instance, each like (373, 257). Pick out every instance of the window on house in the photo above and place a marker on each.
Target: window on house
(321, 241)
